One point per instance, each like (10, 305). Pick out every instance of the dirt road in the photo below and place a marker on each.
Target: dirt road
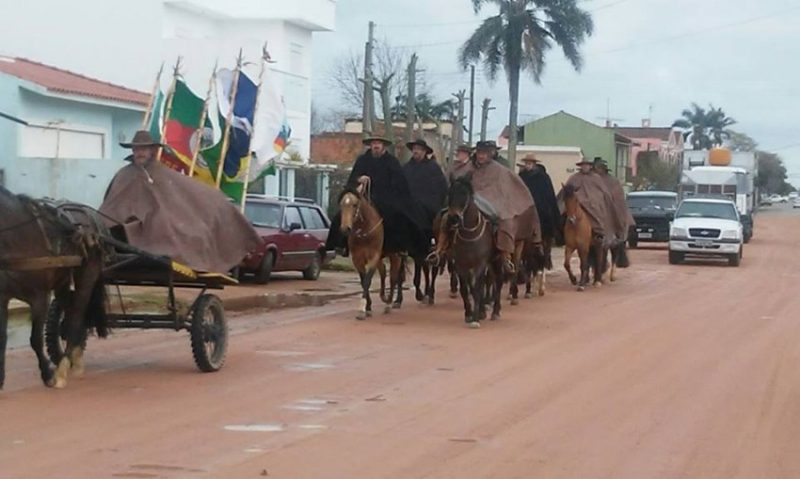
(687, 371)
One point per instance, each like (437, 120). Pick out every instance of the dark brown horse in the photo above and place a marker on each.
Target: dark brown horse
(363, 226)
(31, 231)
(473, 252)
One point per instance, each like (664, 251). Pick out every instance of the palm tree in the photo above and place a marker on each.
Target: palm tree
(426, 108)
(517, 39)
(704, 128)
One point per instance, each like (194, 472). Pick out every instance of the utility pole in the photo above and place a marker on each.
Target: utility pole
(471, 101)
(458, 126)
(369, 102)
(411, 100)
(383, 88)
(485, 117)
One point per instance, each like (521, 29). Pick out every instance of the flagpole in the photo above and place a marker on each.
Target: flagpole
(175, 73)
(264, 60)
(151, 103)
(226, 135)
(199, 139)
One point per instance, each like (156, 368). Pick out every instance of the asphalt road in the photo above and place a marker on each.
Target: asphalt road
(674, 371)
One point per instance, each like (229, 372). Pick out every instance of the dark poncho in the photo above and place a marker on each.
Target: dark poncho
(428, 186)
(541, 188)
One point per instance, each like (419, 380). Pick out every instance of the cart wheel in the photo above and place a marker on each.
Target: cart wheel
(56, 344)
(209, 333)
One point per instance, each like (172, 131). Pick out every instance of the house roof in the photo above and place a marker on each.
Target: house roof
(62, 81)
(640, 132)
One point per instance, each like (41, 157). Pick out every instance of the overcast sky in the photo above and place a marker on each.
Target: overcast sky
(740, 55)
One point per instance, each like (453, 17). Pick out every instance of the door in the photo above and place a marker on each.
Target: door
(299, 249)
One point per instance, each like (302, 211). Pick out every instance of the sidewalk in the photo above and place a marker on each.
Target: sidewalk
(285, 290)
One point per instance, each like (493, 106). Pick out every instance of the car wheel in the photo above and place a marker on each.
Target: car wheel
(633, 242)
(265, 268)
(675, 257)
(312, 272)
(735, 259)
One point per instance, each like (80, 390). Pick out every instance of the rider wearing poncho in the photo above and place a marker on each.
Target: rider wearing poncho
(426, 180)
(501, 195)
(595, 198)
(404, 222)
(164, 212)
(622, 213)
(535, 177)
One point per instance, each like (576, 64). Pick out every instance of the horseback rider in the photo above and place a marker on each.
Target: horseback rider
(426, 181)
(502, 196)
(534, 175)
(618, 196)
(461, 164)
(378, 172)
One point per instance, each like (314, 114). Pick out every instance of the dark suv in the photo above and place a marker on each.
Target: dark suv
(653, 212)
(293, 234)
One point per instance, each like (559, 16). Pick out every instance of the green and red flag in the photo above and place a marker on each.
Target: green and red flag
(180, 129)
(154, 124)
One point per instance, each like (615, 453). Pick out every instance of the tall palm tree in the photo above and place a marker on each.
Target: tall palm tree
(427, 109)
(704, 128)
(517, 40)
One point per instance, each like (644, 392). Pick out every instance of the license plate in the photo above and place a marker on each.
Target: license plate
(646, 235)
(705, 243)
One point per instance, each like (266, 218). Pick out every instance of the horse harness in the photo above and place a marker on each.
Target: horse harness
(481, 225)
(365, 196)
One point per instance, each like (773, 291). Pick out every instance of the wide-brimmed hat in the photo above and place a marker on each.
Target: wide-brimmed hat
(584, 161)
(372, 138)
(464, 147)
(600, 162)
(487, 145)
(141, 138)
(419, 142)
(529, 158)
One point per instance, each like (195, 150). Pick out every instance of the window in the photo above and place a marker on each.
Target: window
(60, 141)
(292, 215)
(263, 215)
(312, 219)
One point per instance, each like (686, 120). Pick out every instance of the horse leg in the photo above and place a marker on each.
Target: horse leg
(362, 310)
(464, 286)
(583, 253)
(431, 274)
(542, 277)
(399, 269)
(567, 263)
(417, 280)
(38, 317)
(600, 258)
(368, 284)
(612, 275)
(497, 295)
(453, 279)
(3, 337)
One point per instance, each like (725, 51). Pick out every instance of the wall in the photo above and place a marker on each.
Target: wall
(336, 148)
(9, 104)
(562, 129)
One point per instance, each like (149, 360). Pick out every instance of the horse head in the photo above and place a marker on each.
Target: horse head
(458, 200)
(349, 205)
(571, 205)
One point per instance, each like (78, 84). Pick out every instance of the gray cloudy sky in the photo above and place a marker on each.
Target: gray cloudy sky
(740, 55)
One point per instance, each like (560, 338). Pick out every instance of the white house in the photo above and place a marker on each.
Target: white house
(126, 42)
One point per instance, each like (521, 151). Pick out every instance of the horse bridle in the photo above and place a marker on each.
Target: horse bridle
(357, 214)
(481, 225)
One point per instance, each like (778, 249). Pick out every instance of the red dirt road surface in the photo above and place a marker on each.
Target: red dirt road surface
(688, 371)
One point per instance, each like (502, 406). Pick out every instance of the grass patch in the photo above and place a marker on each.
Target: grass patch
(340, 264)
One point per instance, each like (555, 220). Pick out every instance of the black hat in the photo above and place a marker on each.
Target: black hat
(419, 142)
(529, 158)
(372, 138)
(464, 147)
(487, 145)
(141, 138)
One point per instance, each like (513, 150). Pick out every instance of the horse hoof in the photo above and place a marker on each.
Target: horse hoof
(581, 288)
(453, 295)
(573, 281)
(419, 296)
(59, 383)
(361, 316)
(495, 317)
(387, 309)
(396, 306)
(474, 324)
(514, 301)
(598, 284)
(528, 295)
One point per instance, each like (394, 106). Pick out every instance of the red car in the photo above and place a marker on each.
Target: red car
(294, 234)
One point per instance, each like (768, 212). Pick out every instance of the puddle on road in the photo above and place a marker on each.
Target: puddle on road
(301, 367)
(19, 331)
(255, 428)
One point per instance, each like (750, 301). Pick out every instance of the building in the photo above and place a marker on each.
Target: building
(146, 33)
(60, 131)
(666, 142)
(564, 129)
(559, 161)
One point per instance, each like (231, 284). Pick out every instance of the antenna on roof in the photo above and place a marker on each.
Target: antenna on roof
(608, 118)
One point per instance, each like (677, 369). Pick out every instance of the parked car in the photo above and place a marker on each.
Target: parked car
(766, 200)
(706, 227)
(652, 210)
(293, 234)
(796, 203)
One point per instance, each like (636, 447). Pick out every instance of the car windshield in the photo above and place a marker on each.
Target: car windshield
(263, 214)
(700, 209)
(651, 202)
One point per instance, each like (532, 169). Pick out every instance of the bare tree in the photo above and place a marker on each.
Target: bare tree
(326, 120)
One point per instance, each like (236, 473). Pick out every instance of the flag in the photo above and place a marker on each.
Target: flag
(272, 131)
(241, 127)
(154, 125)
(181, 129)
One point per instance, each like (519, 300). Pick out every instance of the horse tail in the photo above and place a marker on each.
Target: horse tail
(622, 256)
(96, 310)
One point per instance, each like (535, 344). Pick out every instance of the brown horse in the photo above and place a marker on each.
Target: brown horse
(473, 251)
(441, 258)
(363, 226)
(578, 236)
(30, 229)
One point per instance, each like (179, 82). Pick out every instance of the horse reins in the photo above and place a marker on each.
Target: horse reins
(480, 225)
(365, 196)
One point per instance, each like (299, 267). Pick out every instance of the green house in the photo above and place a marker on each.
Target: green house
(563, 129)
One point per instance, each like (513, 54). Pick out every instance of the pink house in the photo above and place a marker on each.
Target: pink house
(666, 141)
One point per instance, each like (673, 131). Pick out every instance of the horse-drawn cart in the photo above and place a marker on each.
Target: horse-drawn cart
(130, 266)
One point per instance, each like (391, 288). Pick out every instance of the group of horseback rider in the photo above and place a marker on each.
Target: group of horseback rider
(523, 208)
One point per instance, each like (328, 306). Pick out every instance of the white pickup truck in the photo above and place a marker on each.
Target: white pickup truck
(706, 227)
